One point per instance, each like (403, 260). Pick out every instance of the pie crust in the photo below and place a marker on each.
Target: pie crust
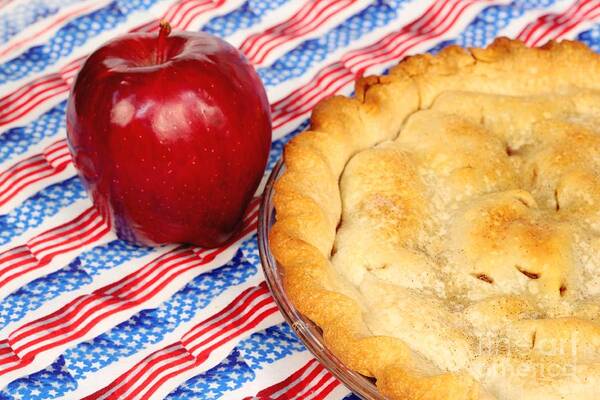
(442, 227)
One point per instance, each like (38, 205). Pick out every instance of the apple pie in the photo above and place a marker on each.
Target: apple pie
(442, 227)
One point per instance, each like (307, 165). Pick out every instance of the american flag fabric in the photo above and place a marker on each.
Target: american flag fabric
(86, 315)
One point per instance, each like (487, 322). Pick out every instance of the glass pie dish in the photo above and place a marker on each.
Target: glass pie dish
(307, 331)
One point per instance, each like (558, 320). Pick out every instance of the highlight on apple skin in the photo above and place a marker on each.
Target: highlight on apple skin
(170, 133)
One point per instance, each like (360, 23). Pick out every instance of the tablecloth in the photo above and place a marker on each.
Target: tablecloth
(83, 313)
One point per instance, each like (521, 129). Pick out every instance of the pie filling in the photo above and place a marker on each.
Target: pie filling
(474, 237)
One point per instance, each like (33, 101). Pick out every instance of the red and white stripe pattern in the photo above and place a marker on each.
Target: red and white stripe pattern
(437, 20)
(16, 262)
(240, 318)
(182, 15)
(57, 154)
(22, 263)
(309, 18)
(311, 382)
(88, 227)
(40, 31)
(22, 175)
(440, 17)
(76, 319)
(7, 356)
(557, 26)
(44, 91)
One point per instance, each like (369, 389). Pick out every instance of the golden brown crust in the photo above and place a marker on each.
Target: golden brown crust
(309, 206)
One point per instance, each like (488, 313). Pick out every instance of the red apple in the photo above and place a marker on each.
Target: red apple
(170, 134)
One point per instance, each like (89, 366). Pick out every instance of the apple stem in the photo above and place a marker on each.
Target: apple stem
(165, 30)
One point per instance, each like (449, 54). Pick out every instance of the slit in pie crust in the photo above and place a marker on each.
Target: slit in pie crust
(443, 226)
